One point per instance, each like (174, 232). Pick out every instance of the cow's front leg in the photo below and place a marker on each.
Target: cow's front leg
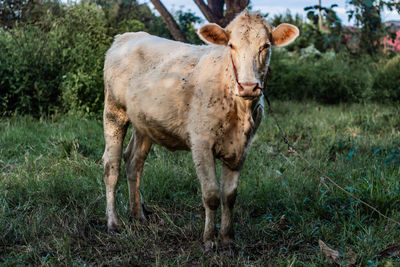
(229, 185)
(205, 167)
(135, 156)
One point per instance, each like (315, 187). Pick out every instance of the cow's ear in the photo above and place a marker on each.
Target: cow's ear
(213, 34)
(284, 34)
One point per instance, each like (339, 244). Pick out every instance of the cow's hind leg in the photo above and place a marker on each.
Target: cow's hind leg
(229, 185)
(205, 167)
(115, 126)
(135, 156)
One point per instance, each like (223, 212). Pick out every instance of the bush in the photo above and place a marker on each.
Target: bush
(387, 81)
(56, 64)
(84, 48)
(328, 78)
(30, 71)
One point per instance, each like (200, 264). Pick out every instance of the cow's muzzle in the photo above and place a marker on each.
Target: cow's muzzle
(249, 90)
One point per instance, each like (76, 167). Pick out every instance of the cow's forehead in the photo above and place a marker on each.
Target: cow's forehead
(249, 28)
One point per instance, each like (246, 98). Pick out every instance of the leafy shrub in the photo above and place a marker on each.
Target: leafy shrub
(387, 81)
(29, 70)
(327, 79)
(83, 56)
(56, 63)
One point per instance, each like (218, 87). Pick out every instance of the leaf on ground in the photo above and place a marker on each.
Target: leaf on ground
(391, 251)
(331, 255)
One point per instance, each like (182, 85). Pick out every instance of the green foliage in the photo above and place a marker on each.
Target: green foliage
(30, 74)
(327, 38)
(83, 53)
(130, 16)
(367, 14)
(55, 64)
(20, 12)
(52, 193)
(328, 35)
(186, 21)
(387, 81)
(329, 79)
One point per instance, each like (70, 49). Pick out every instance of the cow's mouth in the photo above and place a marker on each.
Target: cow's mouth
(249, 94)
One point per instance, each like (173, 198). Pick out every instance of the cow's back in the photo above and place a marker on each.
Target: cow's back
(152, 79)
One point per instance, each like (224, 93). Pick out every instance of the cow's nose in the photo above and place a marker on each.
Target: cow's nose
(249, 89)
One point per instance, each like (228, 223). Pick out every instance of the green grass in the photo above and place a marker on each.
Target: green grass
(52, 202)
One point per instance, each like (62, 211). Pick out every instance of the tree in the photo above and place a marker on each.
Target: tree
(325, 30)
(368, 16)
(173, 27)
(319, 15)
(12, 11)
(213, 10)
(25, 11)
(130, 16)
(186, 22)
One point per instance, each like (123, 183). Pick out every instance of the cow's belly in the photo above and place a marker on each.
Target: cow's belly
(163, 137)
(158, 108)
(163, 130)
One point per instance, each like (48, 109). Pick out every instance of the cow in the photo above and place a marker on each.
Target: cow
(206, 99)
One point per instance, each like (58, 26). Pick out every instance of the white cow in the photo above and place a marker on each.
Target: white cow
(205, 99)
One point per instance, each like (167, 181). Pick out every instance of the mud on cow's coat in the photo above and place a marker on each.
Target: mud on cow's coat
(187, 97)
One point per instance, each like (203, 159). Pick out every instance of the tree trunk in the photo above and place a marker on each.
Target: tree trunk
(319, 16)
(170, 21)
(214, 10)
(210, 14)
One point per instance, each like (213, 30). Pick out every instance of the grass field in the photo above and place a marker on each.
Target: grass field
(52, 201)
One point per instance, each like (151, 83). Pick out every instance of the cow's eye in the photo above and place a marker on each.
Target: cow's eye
(266, 46)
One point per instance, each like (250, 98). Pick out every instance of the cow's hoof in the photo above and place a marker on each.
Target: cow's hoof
(114, 232)
(229, 249)
(150, 217)
(209, 248)
(114, 229)
(135, 217)
(146, 212)
(143, 215)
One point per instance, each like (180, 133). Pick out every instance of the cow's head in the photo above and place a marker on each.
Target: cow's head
(249, 39)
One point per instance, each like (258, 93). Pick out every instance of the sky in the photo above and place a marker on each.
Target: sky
(277, 7)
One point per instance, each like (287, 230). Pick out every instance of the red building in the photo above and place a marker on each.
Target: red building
(389, 43)
(351, 37)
